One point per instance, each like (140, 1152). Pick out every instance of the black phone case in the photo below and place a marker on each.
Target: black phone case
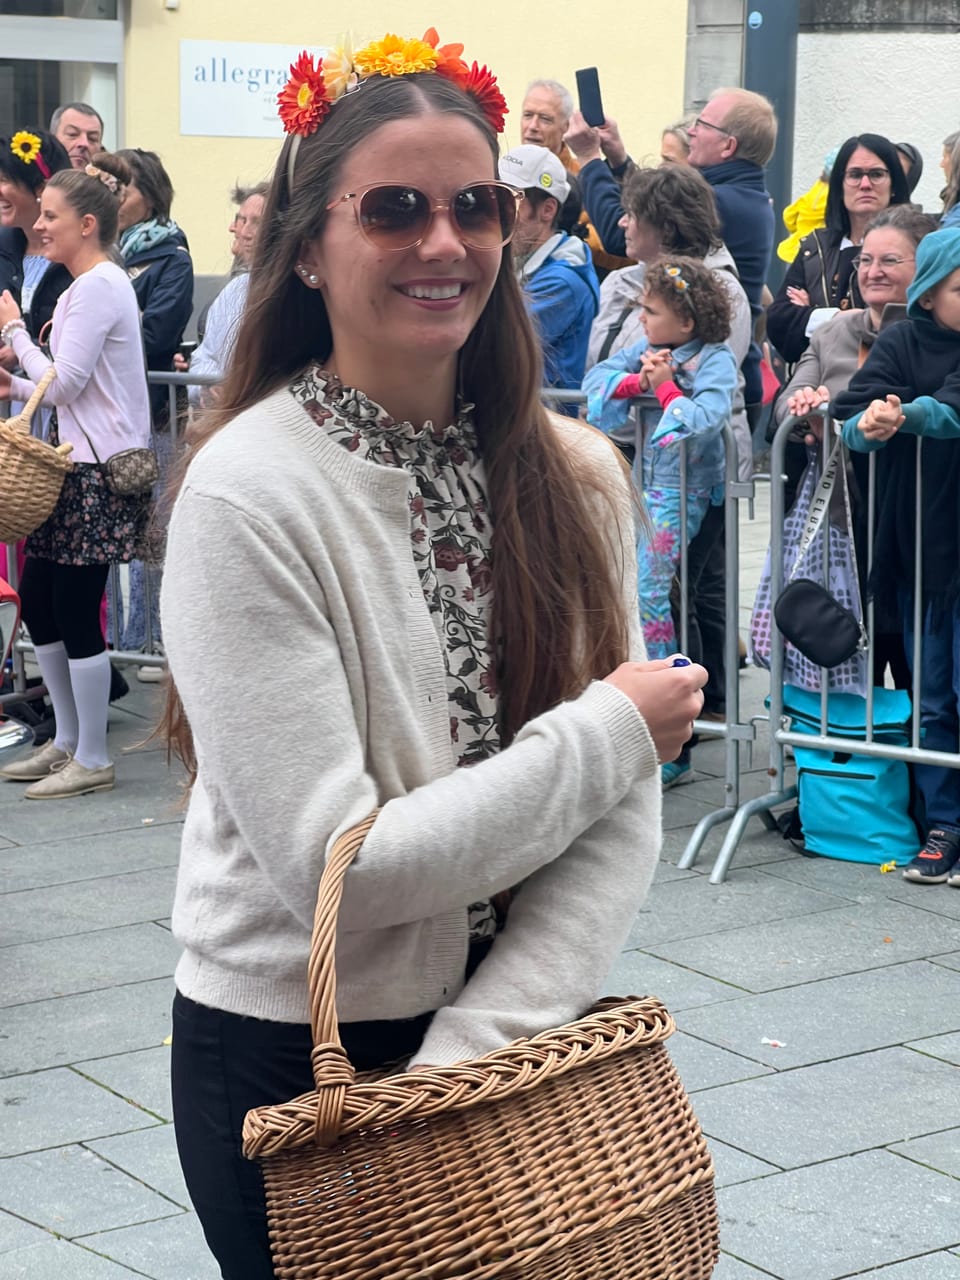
(588, 89)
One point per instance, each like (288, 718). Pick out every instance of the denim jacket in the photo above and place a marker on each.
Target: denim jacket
(706, 373)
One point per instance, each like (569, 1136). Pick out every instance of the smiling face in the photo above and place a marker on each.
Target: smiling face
(63, 233)
(881, 277)
(18, 205)
(414, 306)
(709, 142)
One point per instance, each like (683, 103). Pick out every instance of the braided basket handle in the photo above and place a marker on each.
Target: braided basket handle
(21, 421)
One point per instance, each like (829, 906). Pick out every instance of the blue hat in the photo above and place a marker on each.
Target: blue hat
(937, 255)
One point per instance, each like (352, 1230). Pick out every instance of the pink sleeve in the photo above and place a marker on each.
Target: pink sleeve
(628, 388)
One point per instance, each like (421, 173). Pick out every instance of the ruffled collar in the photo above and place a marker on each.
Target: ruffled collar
(373, 421)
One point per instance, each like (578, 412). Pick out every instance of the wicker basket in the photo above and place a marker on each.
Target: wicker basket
(31, 471)
(573, 1155)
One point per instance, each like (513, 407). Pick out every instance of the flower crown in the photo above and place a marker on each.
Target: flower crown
(314, 87)
(26, 147)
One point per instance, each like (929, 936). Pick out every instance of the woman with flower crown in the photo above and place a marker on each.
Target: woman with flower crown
(450, 571)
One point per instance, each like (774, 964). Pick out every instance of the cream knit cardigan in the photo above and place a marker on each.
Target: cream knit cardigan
(312, 675)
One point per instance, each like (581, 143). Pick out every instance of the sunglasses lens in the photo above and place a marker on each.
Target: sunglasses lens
(486, 214)
(394, 217)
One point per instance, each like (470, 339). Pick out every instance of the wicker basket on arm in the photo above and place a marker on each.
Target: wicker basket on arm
(31, 471)
(573, 1155)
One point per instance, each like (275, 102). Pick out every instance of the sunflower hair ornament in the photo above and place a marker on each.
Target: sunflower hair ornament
(316, 85)
(26, 147)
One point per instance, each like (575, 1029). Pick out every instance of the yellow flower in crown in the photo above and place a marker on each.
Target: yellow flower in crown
(394, 56)
(26, 146)
(339, 73)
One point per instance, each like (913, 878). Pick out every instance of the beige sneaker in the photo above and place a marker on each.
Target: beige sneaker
(38, 764)
(71, 779)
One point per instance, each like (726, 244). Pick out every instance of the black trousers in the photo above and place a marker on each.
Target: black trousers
(222, 1065)
(61, 602)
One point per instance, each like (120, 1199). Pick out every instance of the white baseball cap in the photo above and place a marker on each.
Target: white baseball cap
(535, 168)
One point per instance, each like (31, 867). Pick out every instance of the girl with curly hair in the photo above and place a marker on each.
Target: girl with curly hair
(683, 362)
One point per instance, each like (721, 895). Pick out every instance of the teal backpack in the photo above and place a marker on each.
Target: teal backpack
(852, 807)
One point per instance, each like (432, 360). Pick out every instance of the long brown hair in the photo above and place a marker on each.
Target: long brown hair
(557, 619)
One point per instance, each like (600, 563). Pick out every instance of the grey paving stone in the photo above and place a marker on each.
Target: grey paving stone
(88, 857)
(940, 1151)
(71, 1028)
(932, 1266)
(835, 1017)
(666, 872)
(142, 1077)
(637, 973)
(830, 1109)
(951, 961)
(73, 1191)
(839, 1218)
(705, 1066)
(151, 1156)
(86, 962)
(757, 848)
(173, 1249)
(862, 882)
(17, 1234)
(925, 897)
(54, 1108)
(59, 1258)
(138, 896)
(729, 1268)
(732, 1166)
(945, 1047)
(785, 951)
(680, 810)
(692, 908)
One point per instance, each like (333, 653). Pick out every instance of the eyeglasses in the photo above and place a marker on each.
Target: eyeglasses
(853, 177)
(867, 260)
(395, 216)
(700, 123)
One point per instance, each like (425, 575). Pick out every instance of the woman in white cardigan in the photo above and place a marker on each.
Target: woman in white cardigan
(381, 526)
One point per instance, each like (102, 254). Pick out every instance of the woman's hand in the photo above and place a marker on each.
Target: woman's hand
(8, 308)
(582, 140)
(799, 297)
(804, 403)
(4, 383)
(611, 144)
(180, 363)
(8, 359)
(669, 698)
(881, 419)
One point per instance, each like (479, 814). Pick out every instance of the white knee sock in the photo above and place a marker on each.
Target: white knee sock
(90, 678)
(52, 661)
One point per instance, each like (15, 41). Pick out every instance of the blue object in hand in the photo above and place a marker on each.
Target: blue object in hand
(680, 662)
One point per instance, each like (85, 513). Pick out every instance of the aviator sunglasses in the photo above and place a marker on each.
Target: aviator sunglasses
(393, 215)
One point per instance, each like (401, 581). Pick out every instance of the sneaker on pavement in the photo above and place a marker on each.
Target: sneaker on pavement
(937, 858)
(674, 773)
(37, 764)
(953, 879)
(150, 675)
(71, 779)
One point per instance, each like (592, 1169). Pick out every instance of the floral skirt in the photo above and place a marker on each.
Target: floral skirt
(89, 524)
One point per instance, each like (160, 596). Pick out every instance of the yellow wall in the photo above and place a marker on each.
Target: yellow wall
(641, 75)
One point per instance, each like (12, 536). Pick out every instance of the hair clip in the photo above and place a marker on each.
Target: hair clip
(108, 179)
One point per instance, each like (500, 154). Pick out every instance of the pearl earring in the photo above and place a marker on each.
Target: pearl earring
(308, 275)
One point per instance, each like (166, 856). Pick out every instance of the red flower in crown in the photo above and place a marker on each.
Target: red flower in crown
(481, 84)
(450, 63)
(302, 100)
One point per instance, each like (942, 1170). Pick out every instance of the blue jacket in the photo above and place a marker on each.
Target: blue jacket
(563, 294)
(706, 373)
(162, 279)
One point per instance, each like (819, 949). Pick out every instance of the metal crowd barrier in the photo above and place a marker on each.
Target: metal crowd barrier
(781, 736)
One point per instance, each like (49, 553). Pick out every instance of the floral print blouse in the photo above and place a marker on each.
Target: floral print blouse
(450, 533)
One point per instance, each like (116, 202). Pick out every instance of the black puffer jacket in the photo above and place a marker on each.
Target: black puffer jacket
(162, 279)
(826, 271)
(56, 278)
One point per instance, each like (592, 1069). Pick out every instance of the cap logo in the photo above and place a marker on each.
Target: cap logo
(546, 180)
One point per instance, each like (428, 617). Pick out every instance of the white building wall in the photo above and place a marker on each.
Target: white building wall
(902, 85)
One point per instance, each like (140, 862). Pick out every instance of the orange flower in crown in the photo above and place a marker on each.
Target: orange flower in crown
(314, 86)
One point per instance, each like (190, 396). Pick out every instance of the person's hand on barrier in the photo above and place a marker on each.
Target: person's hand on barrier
(582, 140)
(804, 403)
(881, 419)
(8, 358)
(799, 297)
(669, 698)
(8, 308)
(611, 144)
(180, 363)
(656, 367)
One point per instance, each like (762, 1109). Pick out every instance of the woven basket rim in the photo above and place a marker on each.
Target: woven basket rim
(615, 1025)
